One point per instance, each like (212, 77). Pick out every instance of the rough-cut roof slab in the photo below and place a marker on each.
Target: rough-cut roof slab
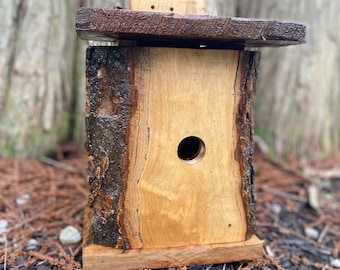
(189, 30)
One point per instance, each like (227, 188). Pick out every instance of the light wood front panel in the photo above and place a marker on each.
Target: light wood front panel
(168, 202)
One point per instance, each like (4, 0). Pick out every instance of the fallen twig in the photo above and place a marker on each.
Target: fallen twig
(6, 252)
(323, 248)
(323, 233)
(324, 173)
(284, 194)
(57, 164)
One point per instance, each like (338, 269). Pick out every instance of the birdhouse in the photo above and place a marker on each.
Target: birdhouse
(169, 135)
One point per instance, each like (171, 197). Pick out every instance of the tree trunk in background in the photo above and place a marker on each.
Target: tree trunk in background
(42, 92)
(298, 92)
(37, 48)
(221, 7)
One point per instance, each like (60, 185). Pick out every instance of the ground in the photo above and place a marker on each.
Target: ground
(298, 213)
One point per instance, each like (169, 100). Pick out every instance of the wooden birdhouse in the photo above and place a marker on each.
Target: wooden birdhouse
(169, 134)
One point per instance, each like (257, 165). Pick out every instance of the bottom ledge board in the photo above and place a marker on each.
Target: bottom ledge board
(99, 257)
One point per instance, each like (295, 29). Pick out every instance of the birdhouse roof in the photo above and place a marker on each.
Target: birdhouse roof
(175, 30)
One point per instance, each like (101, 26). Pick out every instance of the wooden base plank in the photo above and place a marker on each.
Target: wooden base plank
(99, 257)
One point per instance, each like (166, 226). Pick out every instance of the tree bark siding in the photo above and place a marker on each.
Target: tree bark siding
(298, 93)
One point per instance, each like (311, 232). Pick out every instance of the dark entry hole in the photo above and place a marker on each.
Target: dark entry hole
(191, 150)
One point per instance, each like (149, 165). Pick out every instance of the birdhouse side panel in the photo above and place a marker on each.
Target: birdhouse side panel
(109, 102)
(246, 81)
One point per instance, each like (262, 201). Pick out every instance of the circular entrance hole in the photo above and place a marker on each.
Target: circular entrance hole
(191, 150)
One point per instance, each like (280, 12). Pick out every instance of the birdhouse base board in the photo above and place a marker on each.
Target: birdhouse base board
(100, 257)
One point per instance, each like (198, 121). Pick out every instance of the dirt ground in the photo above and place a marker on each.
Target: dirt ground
(298, 213)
